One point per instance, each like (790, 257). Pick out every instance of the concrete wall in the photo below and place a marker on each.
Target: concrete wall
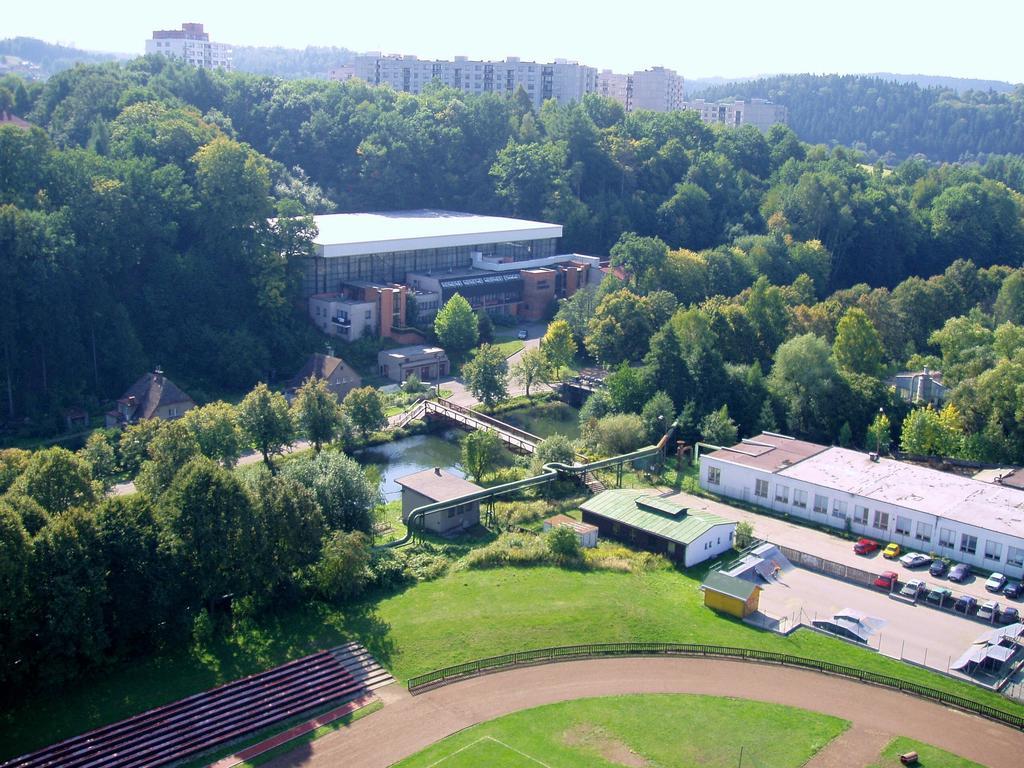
(883, 518)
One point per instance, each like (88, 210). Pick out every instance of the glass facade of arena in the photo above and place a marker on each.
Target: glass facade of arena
(325, 275)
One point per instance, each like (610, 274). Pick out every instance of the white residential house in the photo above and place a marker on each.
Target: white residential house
(966, 520)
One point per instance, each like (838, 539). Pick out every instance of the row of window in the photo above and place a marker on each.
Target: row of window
(878, 519)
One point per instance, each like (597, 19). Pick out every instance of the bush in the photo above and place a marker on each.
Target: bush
(619, 433)
(564, 544)
(343, 569)
(510, 549)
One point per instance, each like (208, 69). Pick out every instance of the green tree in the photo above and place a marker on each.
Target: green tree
(530, 369)
(558, 346)
(133, 447)
(485, 327)
(619, 433)
(879, 435)
(365, 408)
(68, 593)
(215, 429)
(171, 448)
(1009, 306)
(292, 526)
(210, 531)
(718, 428)
(846, 435)
(486, 375)
(668, 369)
(657, 415)
(858, 347)
(12, 463)
(804, 381)
(57, 479)
(341, 572)
(265, 422)
(638, 255)
(480, 453)
(341, 487)
(618, 329)
(577, 311)
(744, 534)
(629, 388)
(316, 412)
(456, 326)
(556, 449)
(15, 561)
(102, 457)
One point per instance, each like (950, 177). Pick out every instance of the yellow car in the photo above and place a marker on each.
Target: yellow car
(891, 551)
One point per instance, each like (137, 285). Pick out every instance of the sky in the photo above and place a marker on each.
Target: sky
(730, 38)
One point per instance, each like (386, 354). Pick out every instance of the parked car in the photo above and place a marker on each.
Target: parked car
(959, 572)
(887, 580)
(995, 583)
(523, 334)
(914, 560)
(965, 604)
(939, 568)
(988, 610)
(865, 546)
(891, 551)
(939, 596)
(1013, 589)
(1009, 615)
(914, 588)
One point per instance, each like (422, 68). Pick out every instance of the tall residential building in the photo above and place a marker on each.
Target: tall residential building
(657, 89)
(564, 81)
(192, 45)
(759, 113)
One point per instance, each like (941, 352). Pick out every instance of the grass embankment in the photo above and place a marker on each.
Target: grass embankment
(928, 756)
(667, 730)
(462, 616)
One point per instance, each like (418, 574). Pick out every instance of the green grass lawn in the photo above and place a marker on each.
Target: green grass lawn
(668, 730)
(508, 346)
(928, 756)
(459, 617)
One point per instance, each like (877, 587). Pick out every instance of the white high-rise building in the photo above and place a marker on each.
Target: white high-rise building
(759, 113)
(192, 45)
(658, 89)
(564, 81)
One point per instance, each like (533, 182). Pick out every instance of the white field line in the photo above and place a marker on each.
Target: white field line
(496, 741)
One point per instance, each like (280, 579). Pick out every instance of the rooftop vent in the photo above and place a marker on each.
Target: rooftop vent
(873, 456)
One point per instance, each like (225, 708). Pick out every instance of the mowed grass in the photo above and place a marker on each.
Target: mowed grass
(928, 756)
(460, 617)
(667, 730)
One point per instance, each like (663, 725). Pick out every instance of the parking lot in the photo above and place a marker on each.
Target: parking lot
(839, 550)
(917, 633)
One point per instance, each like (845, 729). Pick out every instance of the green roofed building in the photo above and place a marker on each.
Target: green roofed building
(654, 523)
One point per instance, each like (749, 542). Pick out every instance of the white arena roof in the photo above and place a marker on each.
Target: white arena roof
(356, 234)
(943, 494)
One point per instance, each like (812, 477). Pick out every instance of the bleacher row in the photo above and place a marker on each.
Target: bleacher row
(220, 715)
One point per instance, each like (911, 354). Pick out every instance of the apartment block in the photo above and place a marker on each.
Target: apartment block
(760, 113)
(657, 89)
(191, 44)
(564, 81)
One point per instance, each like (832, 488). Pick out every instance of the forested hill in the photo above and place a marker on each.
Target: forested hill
(892, 120)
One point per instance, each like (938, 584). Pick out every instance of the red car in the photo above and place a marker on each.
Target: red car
(865, 546)
(887, 580)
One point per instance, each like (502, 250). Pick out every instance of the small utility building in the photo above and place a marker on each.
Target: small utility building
(585, 532)
(659, 525)
(731, 595)
(433, 485)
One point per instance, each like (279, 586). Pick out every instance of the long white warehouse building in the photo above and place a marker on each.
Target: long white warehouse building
(967, 520)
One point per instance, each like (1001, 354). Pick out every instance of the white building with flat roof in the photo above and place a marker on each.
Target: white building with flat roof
(657, 89)
(964, 519)
(384, 247)
(191, 44)
(561, 80)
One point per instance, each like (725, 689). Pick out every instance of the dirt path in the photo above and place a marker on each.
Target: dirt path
(854, 748)
(408, 724)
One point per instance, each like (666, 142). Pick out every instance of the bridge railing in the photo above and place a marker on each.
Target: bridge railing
(447, 675)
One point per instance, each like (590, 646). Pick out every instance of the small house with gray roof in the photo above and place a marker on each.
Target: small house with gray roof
(656, 524)
(339, 376)
(153, 396)
(434, 485)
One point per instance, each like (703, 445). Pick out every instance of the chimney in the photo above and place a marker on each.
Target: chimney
(437, 471)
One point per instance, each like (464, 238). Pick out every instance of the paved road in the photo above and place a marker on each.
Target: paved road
(408, 724)
(833, 548)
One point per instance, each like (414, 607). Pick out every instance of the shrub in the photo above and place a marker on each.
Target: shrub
(619, 433)
(564, 544)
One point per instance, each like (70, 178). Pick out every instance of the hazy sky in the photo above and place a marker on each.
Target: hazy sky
(980, 38)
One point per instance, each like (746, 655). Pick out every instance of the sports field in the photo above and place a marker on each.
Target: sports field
(667, 730)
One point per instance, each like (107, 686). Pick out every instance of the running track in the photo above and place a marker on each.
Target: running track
(408, 724)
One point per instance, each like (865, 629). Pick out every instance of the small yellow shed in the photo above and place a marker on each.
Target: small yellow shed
(728, 594)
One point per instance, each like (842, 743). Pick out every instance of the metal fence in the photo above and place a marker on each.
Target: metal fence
(458, 672)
